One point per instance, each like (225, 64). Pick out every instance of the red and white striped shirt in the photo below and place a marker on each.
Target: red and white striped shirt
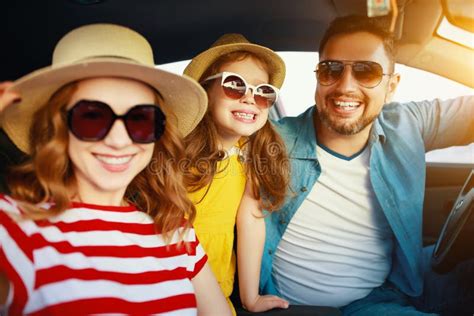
(95, 259)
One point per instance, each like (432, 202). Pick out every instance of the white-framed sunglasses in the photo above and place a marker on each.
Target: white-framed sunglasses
(235, 87)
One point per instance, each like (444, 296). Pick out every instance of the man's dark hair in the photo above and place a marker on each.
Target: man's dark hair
(357, 23)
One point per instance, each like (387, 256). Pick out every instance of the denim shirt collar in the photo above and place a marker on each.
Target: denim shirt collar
(304, 141)
(377, 132)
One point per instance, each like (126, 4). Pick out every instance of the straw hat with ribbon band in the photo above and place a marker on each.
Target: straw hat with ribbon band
(232, 42)
(102, 50)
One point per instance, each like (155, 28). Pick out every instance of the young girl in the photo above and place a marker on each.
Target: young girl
(235, 155)
(98, 219)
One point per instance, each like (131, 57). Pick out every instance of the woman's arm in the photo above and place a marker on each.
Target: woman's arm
(209, 297)
(250, 243)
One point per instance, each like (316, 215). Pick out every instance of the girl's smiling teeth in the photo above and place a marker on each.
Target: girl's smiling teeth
(244, 115)
(114, 160)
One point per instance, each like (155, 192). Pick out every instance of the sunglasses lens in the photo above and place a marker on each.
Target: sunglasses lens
(368, 74)
(90, 120)
(265, 95)
(145, 123)
(329, 72)
(234, 87)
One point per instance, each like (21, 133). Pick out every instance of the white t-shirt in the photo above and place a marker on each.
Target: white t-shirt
(338, 245)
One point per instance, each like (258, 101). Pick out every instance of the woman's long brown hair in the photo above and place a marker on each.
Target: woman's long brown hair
(48, 176)
(267, 164)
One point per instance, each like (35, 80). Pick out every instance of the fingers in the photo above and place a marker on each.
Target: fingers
(276, 302)
(5, 85)
(7, 97)
(268, 302)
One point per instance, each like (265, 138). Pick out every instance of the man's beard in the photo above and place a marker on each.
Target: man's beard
(346, 128)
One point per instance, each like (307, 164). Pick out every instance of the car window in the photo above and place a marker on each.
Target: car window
(297, 94)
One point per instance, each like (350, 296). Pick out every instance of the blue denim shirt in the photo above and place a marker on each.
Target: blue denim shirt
(399, 139)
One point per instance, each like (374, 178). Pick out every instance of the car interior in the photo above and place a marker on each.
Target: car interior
(178, 30)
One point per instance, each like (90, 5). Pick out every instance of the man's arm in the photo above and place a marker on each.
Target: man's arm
(446, 123)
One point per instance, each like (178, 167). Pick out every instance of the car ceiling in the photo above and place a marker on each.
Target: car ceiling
(179, 29)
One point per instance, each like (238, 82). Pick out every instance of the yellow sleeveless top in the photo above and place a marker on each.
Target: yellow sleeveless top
(215, 218)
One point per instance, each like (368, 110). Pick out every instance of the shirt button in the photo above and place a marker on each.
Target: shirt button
(270, 251)
(282, 221)
(303, 189)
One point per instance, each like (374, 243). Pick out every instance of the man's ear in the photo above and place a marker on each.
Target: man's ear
(392, 87)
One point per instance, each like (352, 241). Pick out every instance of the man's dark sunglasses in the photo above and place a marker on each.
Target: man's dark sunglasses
(368, 74)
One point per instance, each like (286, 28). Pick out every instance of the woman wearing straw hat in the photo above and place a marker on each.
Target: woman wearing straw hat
(237, 159)
(98, 220)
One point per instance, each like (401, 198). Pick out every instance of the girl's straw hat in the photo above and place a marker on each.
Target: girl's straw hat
(232, 42)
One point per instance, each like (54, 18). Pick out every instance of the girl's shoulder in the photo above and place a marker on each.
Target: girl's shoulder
(14, 207)
(9, 205)
(15, 226)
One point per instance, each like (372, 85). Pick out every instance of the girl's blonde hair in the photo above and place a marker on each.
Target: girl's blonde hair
(267, 164)
(48, 176)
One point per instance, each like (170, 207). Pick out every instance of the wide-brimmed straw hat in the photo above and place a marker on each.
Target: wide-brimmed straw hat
(102, 50)
(233, 42)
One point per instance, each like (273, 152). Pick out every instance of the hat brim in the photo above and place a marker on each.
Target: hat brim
(201, 62)
(184, 99)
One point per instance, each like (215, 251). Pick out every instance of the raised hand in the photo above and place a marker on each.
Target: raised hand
(7, 97)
